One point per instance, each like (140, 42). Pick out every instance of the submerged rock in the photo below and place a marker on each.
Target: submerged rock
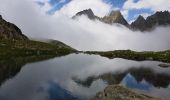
(164, 65)
(118, 92)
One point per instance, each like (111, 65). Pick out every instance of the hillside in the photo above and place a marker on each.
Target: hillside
(14, 43)
(28, 47)
(10, 31)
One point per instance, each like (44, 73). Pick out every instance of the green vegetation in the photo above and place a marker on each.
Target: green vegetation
(163, 56)
(20, 48)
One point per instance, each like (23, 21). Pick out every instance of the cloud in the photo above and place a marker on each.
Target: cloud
(99, 7)
(157, 5)
(82, 34)
(145, 15)
(71, 7)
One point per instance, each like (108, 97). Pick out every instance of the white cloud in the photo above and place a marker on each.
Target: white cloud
(145, 15)
(125, 13)
(81, 34)
(98, 6)
(157, 5)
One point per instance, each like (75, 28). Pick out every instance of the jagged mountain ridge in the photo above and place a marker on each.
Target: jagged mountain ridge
(10, 31)
(142, 24)
(160, 18)
(113, 17)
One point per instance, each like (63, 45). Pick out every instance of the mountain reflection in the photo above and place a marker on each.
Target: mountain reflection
(137, 74)
(10, 67)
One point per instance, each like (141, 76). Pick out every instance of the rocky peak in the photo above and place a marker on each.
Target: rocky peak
(140, 18)
(10, 31)
(115, 17)
(88, 12)
(139, 24)
(115, 14)
(159, 18)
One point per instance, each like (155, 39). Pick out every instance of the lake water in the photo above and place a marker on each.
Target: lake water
(81, 76)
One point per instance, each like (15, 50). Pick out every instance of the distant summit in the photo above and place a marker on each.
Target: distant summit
(115, 17)
(141, 24)
(88, 12)
(158, 19)
(10, 31)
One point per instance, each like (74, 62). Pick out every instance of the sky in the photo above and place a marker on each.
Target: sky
(51, 19)
(131, 9)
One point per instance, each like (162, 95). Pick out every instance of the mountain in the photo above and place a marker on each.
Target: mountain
(53, 42)
(141, 24)
(15, 44)
(115, 17)
(88, 12)
(10, 31)
(158, 19)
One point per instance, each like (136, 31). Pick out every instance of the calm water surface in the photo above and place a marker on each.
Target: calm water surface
(80, 76)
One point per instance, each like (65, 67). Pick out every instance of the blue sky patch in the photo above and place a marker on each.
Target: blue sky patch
(131, 82)
(57, 5)
(133, 12)
(135, 1)
(115, 3)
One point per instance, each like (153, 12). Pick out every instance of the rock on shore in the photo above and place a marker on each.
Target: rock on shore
(118, 92)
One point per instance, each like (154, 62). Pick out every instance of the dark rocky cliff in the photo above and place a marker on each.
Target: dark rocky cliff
(10, 31)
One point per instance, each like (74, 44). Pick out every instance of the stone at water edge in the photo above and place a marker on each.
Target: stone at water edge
(164, 65)
(118, 92)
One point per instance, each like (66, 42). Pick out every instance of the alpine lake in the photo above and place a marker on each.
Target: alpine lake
(78, 77)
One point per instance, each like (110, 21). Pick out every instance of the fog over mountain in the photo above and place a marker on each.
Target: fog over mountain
(82, 33)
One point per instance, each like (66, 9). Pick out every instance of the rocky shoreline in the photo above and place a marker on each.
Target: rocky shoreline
(118, 92)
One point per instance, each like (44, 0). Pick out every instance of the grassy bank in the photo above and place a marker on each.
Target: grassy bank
(163, 56)
(14, 48)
